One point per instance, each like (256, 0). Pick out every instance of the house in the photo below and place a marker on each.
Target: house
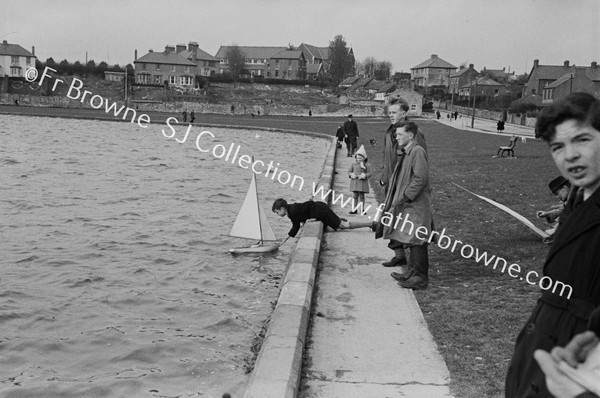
(361, 87)
(482, 86)
(15, 60)
(384, 91)
(320, 55)
(432, 72)
(314, 71)
(499, 75)
(542, 75)
(165, 67)
(257, 59)
(114, 76)
(461, 77)
(349, 81)
(287, 64)
(413, 99)
(206, 64)
(578, 80)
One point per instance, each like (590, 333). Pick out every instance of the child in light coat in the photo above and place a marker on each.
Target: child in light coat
(359, 173)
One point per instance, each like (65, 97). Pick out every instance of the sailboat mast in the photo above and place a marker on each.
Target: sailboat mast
(259, 220)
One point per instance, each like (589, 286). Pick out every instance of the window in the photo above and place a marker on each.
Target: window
(157, 66)
(413, 107)
(172, 79)
(172, 68)
(143, 66)
(185, 80)
(157, 79)
(14, 59)
(277, 73)
(15, 71)
(28, 60)
(187, 69)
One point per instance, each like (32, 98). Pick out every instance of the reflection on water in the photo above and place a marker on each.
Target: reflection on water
(116, 279)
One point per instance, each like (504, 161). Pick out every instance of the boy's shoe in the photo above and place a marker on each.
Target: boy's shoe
(354, 212)
(403, 275)
(415, 283)
(395, 262)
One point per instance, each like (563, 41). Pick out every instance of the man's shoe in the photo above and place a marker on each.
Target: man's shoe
(395, 262)
(374, 226)
(402, 276)
(415, 283)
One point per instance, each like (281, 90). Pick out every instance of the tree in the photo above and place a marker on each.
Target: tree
(236, 59)
(383, 70)
(339, 58)
(370, 64)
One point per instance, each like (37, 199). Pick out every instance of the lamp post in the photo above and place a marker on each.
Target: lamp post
(474, 97)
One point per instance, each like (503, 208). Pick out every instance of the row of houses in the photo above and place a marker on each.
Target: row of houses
(181, 65)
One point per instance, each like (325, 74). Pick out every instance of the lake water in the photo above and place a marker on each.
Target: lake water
(116, 279)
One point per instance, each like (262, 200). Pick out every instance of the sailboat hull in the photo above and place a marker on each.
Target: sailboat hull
(255, 249)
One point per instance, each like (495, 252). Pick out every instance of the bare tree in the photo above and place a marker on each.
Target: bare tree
(383, 70)
(370, 66)
(236, 59)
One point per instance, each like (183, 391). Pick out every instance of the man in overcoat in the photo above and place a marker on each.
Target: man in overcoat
(408, 207)
(571, 289)
(391, 155)
(351, 131)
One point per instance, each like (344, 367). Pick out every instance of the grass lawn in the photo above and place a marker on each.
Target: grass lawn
(475, 312)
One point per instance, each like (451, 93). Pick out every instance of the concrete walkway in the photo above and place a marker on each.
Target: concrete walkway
(484, 125)
(369, 338)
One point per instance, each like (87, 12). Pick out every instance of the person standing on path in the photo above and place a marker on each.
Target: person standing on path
(192, 117)
(359, 173)
(409, 201)
(351, 132)
(184, 113)
(571, 127)
(391, 155)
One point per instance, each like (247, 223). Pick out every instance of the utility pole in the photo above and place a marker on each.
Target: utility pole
(474, 97)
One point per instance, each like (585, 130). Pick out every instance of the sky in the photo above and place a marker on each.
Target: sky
(494, 34)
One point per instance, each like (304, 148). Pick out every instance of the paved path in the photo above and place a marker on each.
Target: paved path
(484, 126)
(369, 337)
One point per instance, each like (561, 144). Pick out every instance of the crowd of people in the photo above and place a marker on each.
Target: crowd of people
(557, 353)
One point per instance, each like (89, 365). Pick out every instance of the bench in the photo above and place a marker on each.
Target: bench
(510, 149)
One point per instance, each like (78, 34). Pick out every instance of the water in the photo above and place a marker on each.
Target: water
(115, 277)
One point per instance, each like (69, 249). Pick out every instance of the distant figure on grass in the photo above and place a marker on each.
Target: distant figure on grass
(351, 132)
(359, 173)
(560, 187)
(409, 200)
(340, 135)
(571, 127)
(184, 113)
(392, 154)
(299, 213)
(192, 117)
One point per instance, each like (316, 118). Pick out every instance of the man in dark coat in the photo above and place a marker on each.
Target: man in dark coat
(351, 132)
(340, 135)
(571, 281)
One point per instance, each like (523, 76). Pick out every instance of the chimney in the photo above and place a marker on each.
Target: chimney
(434, 56)
(150, 51)
(566, 63)
(504, 69)
(192, 46)
(536, 63)
(169, 48)
(4, 42)
(594, 65)
(33, 50)
(471, 66)
(135, 55)
(180, 48)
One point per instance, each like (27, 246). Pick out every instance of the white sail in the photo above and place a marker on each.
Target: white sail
(251, 221)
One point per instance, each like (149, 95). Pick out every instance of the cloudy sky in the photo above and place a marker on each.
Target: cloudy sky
(487, 33)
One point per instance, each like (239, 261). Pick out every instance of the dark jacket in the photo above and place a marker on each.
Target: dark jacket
(300, 212)
(340, 133)
(573, 259)
(351, 129)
